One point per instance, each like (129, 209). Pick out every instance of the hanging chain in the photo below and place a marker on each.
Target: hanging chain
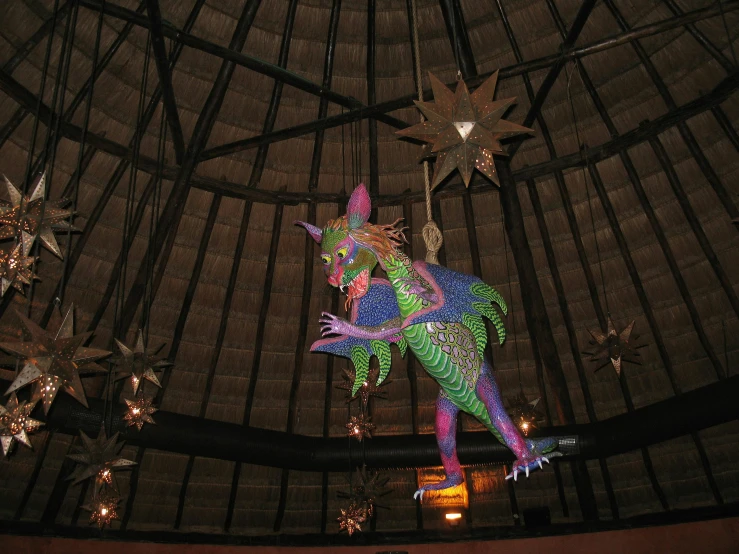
(432, 236)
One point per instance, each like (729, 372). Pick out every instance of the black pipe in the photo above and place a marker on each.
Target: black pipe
(677, 416)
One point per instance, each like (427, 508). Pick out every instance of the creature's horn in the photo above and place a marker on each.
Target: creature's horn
(314, 231)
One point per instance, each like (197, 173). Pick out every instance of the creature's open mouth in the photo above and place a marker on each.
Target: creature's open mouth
(357, 287)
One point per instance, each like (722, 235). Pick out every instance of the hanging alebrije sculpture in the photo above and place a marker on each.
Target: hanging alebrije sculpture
(15, 423)
(436, 312)
(614, 346)
(53, 361)
(27, 217)
(464, 129)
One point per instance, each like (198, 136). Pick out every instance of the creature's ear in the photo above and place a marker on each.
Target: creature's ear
(314, 231)
(359, 207)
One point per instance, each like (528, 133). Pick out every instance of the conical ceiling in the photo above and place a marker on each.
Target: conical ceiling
(619, 206)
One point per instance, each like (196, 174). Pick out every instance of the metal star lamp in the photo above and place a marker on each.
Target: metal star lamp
(137, 362)
(15, 423)
(98, 459)
(103, 508)
(369, 386)
(139, 411)
(360, 427)
(525, 413)
(54, 361)
(351, 519)
(464, 130)
(16, 269)
(368, 488)
(25, 217)
(614, 347)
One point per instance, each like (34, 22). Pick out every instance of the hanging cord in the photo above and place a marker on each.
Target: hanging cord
(431, 234)
(726, 28)
(586, 167)
(510, 300)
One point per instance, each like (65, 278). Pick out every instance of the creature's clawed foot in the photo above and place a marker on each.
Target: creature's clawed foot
(408, 286)
(530, 463)
(447, 483)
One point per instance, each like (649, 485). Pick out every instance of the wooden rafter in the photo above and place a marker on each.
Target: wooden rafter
(456, 30)
(159, 49)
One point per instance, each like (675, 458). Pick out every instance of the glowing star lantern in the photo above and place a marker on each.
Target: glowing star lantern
(614, 346)
(26, 217)
(369, 386)
(54, 361)
(368, 488)
(360, 427)
(15, 423)
(103, 508)
(98, 458)
(464, 129)
(351, 519)
(525, 414)
(137, 363)
(15, 269)
(139, 411)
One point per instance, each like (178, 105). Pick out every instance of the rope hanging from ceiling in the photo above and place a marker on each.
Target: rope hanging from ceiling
(431, 234)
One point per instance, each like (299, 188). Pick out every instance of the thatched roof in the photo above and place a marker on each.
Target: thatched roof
(658, 119)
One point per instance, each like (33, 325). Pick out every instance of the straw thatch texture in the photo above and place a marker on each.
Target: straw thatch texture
(239, 366)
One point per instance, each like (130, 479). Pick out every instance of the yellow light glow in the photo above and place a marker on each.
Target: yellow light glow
(103, 511)
(453, 516)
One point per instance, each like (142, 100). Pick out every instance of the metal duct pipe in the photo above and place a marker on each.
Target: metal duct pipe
(701, 408)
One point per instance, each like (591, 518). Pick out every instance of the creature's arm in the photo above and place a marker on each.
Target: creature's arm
(333, 325)
(410, 285)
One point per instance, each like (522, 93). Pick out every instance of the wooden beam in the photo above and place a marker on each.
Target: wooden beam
(456, 30)
(376, 110)
(175, 205)
(235, 56)
(159, 49)
(374, 170)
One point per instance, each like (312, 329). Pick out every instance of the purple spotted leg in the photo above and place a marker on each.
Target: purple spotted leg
(446, 438)
(529, 453)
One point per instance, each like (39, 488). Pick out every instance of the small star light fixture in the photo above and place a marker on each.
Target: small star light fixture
(369, 387)
(351, 519)
(139, 411)
(137, 363)
(16, 269)
(614, 346)
(360, 427)
(98, 458)
(54, 361)
(464, 129)
(368, 488)
(103, 508)
(15, 423)
(524, 413)
(26, 217)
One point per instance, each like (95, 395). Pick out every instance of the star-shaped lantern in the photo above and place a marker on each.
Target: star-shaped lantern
(137, 363)
(98, 458)
(26, 217)
(103, 508)
(368, 487)
(464, 129)
(524, 413)
(139, 411)
(16, 269)
(15, 423)
(360, 427)
(351, 519)
(54, 361)
(614, 346)
(368, 388)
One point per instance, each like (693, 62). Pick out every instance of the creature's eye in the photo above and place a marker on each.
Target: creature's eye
(326, 259)
(341, 254)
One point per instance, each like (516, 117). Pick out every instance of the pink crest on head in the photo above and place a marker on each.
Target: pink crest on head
(313, 231)
(359, 207)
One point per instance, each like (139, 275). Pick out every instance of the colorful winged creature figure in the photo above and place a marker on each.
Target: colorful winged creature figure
(435, 312)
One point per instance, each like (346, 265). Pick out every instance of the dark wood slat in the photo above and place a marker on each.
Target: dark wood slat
(159, 49)
(726, 126)
(456, 30)
(175, 205)
(180, 329)
(374, 171)
(11, 125)
(539, 326)
(687, 135)
(235, 56)
(46, 28)
(515, 70)
(257, 358)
